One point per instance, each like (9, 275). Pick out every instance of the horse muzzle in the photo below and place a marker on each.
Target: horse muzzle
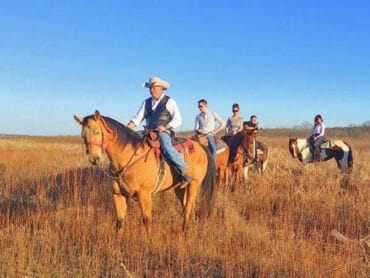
(94, 160)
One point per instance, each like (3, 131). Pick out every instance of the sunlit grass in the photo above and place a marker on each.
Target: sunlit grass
(57, 219)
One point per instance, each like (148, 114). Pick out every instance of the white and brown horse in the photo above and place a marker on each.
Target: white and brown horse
(337, 149)
(257, 153)
(248, 153)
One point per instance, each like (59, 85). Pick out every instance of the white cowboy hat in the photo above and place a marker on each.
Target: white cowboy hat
(156, 81)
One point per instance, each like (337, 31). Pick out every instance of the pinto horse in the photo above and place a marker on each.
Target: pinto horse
(139, 173)
(248, 153)
(338, 149)
(257, 153)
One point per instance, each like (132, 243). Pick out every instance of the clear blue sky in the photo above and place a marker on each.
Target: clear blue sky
(282, 60)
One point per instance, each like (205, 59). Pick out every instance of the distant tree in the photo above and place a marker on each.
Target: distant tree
(366, 123)
(303, 125)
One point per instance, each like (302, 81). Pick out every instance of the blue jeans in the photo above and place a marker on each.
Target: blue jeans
(170, 152)
(212, 145)
(317, 142)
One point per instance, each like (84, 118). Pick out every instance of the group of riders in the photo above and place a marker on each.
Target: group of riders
(162, 114)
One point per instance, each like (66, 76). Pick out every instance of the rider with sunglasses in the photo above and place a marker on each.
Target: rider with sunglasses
(205, 125)
(234, 125)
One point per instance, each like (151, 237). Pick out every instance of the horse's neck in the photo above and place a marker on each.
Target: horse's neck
(302, 144)
(120, 154)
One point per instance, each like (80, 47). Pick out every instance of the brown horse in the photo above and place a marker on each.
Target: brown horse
(257, 153)
(222, 157)
(138, 171)
(237, 166)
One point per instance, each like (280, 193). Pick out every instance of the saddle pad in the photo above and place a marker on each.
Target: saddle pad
(183, 145)
(220, 148)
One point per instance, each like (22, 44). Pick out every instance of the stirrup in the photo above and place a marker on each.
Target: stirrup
(186, 180)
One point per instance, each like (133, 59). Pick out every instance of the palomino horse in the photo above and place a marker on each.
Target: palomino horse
(338, 149)
(139, 172)
(257, 153)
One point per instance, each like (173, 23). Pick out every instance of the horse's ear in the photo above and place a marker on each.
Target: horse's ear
(97, 115)
(78, 119)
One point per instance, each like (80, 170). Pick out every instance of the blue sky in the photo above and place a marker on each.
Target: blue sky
(284, 61)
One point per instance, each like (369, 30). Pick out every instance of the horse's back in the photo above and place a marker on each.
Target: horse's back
(335, 143)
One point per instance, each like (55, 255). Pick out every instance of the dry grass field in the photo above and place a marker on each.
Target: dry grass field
(57, 219)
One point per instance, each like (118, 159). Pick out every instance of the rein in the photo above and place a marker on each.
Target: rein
(130, 162)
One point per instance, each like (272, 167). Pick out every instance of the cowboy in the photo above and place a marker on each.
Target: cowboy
(162, 115)
(205, 125)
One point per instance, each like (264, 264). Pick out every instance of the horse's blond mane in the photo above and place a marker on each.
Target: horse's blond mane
(124, 134)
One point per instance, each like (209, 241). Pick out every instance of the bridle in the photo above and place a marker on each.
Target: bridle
(104, 146)
(103, 143)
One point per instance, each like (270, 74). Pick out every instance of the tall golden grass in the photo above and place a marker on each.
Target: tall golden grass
(57, 220)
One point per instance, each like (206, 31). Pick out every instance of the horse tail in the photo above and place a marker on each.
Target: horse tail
(208, 190)
(350, 160)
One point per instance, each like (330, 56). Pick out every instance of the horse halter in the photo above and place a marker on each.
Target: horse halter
(103, 143)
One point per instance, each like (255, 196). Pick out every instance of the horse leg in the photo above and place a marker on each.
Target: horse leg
(145, 200)
(245, 172)
(120, 203)
(228, 175)
(189, 205)
(223, 178)
(239, 176)
(263, 166)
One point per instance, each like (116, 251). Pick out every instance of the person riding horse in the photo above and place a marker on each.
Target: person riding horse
(234, 125)
(251, 127)
(317, 137)
(205, 125)
(162, 115)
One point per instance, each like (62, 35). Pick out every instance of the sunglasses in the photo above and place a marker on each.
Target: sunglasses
(235, 110)
(200, 106)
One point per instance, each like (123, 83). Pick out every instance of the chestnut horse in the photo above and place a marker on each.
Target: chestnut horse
(138, 171)
(222, 157)
(338, 149)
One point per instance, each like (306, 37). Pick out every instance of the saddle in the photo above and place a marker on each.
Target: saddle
(182, 145)
(328, 144)
(202, 139)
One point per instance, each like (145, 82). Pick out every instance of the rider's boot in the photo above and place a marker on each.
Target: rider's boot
(186, 178)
